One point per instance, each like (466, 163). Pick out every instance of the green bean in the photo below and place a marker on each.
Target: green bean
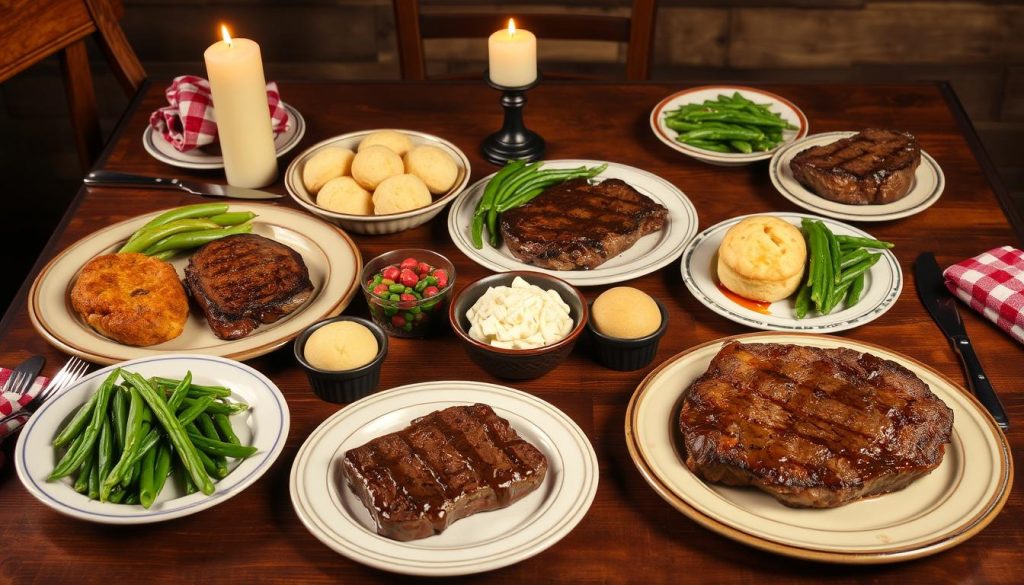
(864, 242)
(707, 145)
(520, 200)
(147, 237)
(179, 392)
(190, 486)
(94, 482)
(512, 183)
(68, 465)
(491, 190)
(186, 212)
(807, 241)
(117, 495)
(544, 179)
(210, 466)
(132, 477)
(105, 459)
(856, 288)
(232, 218)
(227, 433)
(681, 125)
(837, 294)
(76, 444)
(165, 255)
(741, 145)
(802, 303)
(736, 133)
(195, 239)
(162, 469)
(185, 449)
(737, 118)
(220, 407)
(195, 390)
(852, 257)
(81, 484)
(147, 479)
(860, 268)
(77, 424)
(221, 448)
(833, 252)
(208, 430)
(119, 416)
(476, 231)
(122, 470)
(823, 272)
(131, 499)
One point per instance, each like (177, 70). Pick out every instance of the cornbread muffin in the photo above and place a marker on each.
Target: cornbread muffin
(400, 193)
(396, 141)
(328, 163)
(131, 298)
(434, 166)
(344, 195)
(626, 313)
(762, 258)
(340, 346)
(373, 164)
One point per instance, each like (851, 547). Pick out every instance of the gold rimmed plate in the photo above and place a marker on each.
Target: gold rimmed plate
(936, 512)
(329, 253)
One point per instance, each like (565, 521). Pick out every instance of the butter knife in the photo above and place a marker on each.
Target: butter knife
(941, 305)
(114, 178)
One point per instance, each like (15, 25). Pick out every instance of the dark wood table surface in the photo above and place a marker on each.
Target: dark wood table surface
(630, 535)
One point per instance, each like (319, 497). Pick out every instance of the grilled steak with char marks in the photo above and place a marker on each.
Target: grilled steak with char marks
(243, 280)
(443, 467)
(873, 166)
(813, 427)
(578, 225)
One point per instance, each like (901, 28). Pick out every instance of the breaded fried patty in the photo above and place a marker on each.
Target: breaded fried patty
(131, 298)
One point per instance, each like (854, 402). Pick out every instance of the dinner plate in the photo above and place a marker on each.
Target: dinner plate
(784, 107)
(925, 191)
(882, 285)
(264, 426)
(330, 255)
(650, 252)
(481, 542)
(934, 513)
(197, 158)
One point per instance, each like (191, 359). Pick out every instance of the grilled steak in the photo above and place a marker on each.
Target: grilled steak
(578, 225)
(873, 166)
(243, 280)
(443, 467)
(813, 427)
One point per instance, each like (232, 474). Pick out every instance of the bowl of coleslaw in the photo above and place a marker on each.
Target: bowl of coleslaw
(518, 325)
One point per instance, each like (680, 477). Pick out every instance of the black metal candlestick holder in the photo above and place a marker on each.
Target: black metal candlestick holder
(514, 141)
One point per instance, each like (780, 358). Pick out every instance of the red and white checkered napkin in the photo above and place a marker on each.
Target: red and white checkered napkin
(187, 121)
(13, 403)
(993, 284)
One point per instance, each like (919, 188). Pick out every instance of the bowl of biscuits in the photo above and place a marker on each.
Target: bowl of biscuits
(378, 181)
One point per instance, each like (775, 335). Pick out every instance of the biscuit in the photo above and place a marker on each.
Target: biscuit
(762, 258)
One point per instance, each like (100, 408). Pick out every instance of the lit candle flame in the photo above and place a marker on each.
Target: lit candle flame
(511, 27)
(225, 34)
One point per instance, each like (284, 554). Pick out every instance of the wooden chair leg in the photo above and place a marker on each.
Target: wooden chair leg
(85, 120)
(115, 46)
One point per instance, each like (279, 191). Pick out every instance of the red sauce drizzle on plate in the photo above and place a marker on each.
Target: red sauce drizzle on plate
(759, 306)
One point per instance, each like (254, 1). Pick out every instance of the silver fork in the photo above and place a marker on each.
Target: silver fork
(17, 379)
(70, 372)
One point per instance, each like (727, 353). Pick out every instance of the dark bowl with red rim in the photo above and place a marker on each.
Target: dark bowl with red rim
(518, 364)
(407, 316)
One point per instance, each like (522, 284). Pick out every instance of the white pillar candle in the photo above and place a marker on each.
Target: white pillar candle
(235, 70)
(512, 56)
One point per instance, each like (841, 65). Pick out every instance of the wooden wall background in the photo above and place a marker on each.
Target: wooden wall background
(977, 45)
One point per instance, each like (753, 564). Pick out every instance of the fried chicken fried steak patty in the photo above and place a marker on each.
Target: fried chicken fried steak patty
(131, 298)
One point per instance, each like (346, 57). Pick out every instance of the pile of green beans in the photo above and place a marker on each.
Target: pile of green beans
(728, 124)
(130, 437)
(514, 185)
(837, 266)
(188, 227)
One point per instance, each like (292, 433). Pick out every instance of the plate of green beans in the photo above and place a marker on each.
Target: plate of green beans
(727, 125)
(850, 278)
(153, 439)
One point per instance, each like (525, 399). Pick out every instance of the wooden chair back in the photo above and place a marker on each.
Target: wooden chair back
(35, 29)
(637, 30)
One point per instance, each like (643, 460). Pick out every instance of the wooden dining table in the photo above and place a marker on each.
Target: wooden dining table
(630, 534)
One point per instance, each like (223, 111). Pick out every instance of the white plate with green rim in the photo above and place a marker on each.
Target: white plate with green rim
(330, 255)
(926, 189)
(648, 254)
(264, 425)
(935, 512)
(481, 542)
(882, 286)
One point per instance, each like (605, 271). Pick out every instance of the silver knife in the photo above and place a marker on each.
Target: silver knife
(941, 305)
(114, 178)
(26, 372)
